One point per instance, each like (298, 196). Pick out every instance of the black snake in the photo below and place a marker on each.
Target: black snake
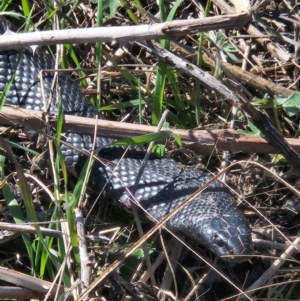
(211, 219)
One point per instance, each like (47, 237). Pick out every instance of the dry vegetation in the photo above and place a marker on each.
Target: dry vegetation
(258, 62)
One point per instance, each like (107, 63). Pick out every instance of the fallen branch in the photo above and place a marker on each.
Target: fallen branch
(204, 140)
(18, 293)
(37, 285)
(157, 31)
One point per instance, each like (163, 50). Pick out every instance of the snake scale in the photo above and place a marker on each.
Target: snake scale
(211, 219)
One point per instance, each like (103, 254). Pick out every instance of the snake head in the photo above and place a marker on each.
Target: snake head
(229, 236)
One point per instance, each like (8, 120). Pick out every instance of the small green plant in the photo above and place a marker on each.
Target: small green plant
(291, 104)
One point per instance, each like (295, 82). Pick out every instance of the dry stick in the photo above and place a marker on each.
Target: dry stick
(270, 244)
(206, 140)
(128, 33)
(169, 274)
(85, 263)
(273, 286)
(29, 282)
(157, 262)
(260, 120)
(24, 228)
(58, 279)
(67, 259)
(252, 80)
(133, 190)
(19, 293)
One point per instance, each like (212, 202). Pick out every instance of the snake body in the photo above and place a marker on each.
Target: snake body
(210, 219)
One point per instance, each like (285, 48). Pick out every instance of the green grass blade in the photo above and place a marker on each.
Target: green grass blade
(18, 146)
(140, 102)
(159, 92)
(173, 10)
(143, 139)
(130, 13)
(19, 218)
(123, 105)
(26, 7)
(4, 5)
(161, 74)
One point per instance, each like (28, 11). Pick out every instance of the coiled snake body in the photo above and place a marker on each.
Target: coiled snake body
(211, 219)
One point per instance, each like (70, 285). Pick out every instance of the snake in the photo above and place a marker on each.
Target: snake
(211, 219)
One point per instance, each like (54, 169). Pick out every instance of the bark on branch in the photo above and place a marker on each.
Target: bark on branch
(204, 140)
(157, 31)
